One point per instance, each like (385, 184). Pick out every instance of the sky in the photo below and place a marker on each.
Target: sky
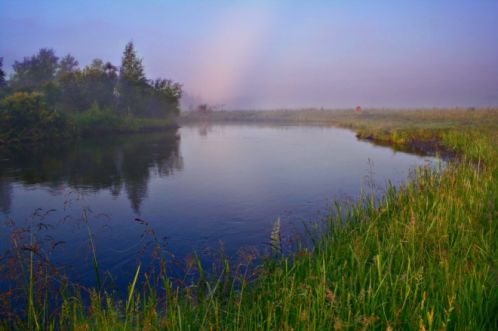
(280, 54)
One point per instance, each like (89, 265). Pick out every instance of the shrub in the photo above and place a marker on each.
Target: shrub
(25, 117)
(96, 120)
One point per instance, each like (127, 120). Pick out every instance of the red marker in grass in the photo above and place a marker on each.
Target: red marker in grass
(357, 109)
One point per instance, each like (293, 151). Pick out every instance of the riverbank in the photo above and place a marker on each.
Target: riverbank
(421, 257)
(88, 125)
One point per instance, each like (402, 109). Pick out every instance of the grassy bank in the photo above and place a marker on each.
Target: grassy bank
(422, 257)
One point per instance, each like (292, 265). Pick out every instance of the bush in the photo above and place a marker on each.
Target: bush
(25, 117)
(103, 121)
(95, 120)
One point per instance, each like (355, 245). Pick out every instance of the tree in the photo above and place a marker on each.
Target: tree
(132, 69)
(25, 117)
(132, 82)
(164, 98)
(21, 110)
(100, 85)
(3, 82)
(110, 70)
(34, 72)
(2, 74)
(67, 65)
(72, 94)
(96, 85)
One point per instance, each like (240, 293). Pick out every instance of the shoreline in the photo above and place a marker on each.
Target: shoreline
(95, 133)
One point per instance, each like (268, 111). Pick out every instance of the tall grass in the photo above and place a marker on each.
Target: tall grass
(423, 256)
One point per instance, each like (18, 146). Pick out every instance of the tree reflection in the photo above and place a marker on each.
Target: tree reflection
(5, 195)
(112, 163)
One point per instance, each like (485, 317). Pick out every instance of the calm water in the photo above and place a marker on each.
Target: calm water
(197, 188)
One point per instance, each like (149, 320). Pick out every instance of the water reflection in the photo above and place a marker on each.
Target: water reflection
(218, 184)
(113, 164)
(5, 195)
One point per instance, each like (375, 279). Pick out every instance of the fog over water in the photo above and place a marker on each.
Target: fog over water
(266, 54)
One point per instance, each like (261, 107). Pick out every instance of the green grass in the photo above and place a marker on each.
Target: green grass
(422, 257)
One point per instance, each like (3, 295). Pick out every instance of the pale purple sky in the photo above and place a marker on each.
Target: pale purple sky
(276, 54)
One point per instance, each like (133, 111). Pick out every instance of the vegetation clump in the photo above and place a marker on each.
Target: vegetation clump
(25, 117)
(98, 98)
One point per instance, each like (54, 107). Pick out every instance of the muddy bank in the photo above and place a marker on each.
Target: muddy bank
(430, 147)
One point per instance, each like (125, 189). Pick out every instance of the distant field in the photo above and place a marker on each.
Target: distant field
(387, 118)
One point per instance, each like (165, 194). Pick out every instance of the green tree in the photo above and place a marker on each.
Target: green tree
(25, 117)
(67, 65)
(132, 69)
(164, 98)
(34, 72)
(71, 97)
(94, 85)
(132, 83)
(98, 82)
(3, 81)
(2, 74)
(99, 85)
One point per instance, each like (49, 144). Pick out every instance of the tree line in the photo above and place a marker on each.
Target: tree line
(124, 90)
(44, 84)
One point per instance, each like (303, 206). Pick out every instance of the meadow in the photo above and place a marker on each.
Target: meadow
(423, 256)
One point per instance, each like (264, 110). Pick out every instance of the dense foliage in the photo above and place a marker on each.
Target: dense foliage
(69, 91)
(2, 74)
(25, 117)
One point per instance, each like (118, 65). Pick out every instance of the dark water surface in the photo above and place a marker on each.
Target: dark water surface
(197, 188)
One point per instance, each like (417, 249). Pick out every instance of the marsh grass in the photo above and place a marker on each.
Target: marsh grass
(423, 256)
